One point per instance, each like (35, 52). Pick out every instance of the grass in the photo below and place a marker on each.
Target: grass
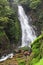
(40, 62)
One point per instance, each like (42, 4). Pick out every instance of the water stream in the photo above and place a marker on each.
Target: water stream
(3, 58)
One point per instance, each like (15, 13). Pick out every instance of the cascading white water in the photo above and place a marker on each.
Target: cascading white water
(28, 34)
(3, 58)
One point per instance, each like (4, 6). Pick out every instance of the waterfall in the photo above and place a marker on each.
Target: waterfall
(28, 33)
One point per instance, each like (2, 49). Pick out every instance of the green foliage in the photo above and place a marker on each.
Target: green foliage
(4, 8)
(37, 44)
(1, 33)
(41, 49)
(4, 2)
(37, 47)
(37, 39)
(34, 61)
(4, 41)
(40, 62)
(9, 26)
(13, 29)
(22, 63)
(4, 19)
(34, 3)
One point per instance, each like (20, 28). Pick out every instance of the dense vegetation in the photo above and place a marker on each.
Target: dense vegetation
(9, 26)
(10, 31)
(37, 50)
(40, 62)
